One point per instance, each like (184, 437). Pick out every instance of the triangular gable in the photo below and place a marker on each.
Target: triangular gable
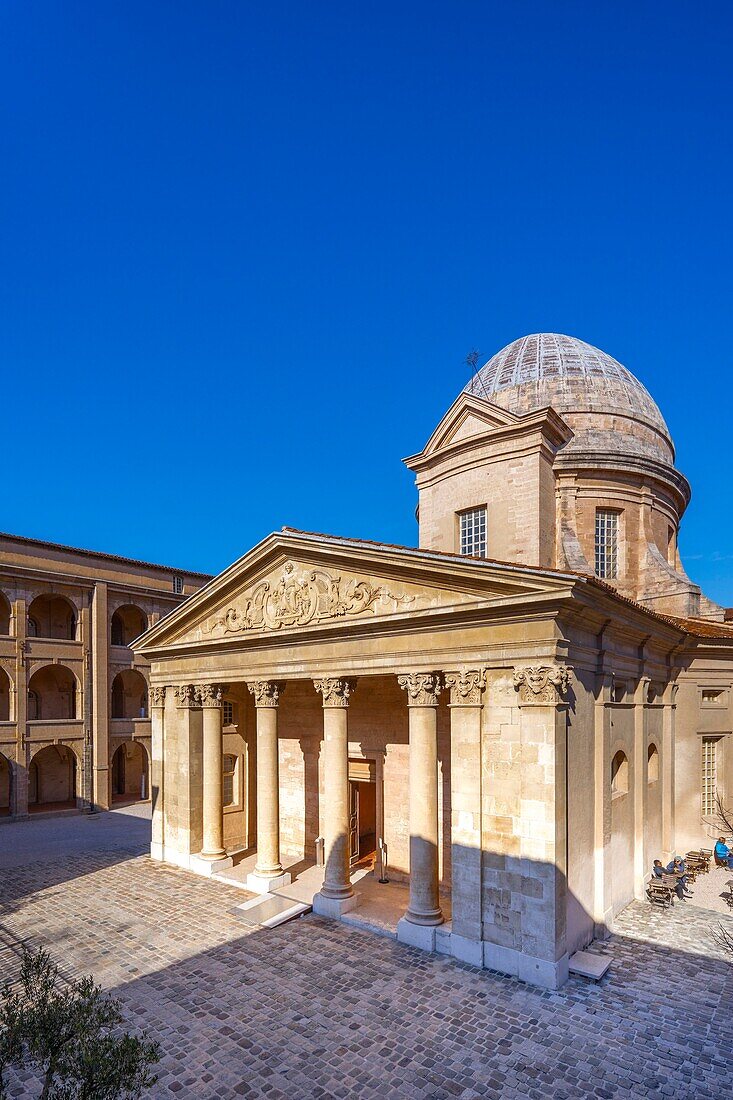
(468, 416)
(294, 581)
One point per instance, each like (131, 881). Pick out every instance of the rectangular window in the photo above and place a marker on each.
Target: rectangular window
(606, 544)
(714, 697)
(227, 714)
(178, 585)
(473, 532)
(709, 774)
(229, 780)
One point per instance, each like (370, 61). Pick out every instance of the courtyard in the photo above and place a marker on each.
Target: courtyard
(314, 1008)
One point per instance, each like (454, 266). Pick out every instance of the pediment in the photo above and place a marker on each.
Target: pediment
(293, 582)
(469, 416)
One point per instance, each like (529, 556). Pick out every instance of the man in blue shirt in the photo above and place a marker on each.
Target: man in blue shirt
(658, 871)
(722, 853)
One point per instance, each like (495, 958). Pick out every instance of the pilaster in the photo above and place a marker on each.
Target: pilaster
(157, 770)
(640, 783)
(467, 687)
(19, 788)
(99, 647)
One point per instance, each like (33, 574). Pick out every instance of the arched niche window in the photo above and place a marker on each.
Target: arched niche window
(652, 764)
(5, 614)
(51, 616)
(230, 795)
(128, 623)
(620, 774)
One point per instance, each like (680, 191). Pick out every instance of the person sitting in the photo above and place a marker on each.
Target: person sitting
(659, 871)
(721, 853)
(676, 866)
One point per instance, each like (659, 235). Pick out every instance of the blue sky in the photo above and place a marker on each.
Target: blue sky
(246, 249)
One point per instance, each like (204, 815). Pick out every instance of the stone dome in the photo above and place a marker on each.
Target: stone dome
(605, 405)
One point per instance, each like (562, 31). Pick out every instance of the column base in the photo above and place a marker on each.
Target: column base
(541, 972)
(209, 867)
(416, 935)
(261, 884)
(333, 907)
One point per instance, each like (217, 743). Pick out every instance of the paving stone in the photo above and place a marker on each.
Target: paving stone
(316, 1009)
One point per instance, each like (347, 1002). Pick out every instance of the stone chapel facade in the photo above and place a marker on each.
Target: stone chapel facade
(527, 709)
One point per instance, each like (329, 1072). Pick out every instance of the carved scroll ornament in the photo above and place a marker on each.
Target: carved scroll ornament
(157, 696)
(423, 688)
(335, 692)
(299, 599)
(541, 683)
(466, 686)
(266, 692)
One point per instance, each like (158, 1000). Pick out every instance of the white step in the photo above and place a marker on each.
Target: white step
(270, 910)
(588, 965)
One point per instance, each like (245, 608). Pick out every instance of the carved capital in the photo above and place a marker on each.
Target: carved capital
(266, 692)
(335, 692)
(210, 695)
(541, 683)
(466, 686)
(423, 688)
(187, 695)
(157, 696)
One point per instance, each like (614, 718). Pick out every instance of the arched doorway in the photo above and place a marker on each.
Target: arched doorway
(6, 779)
(130, 775)
(128, 623)
(52, 617)
(52, 779)
(129, 695)
(52, 694)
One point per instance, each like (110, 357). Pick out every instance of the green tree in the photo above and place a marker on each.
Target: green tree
(71, 1031)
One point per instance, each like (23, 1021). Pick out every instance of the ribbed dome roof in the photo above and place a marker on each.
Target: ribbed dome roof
(568, 374)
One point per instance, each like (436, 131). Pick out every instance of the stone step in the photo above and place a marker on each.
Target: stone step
(442, 940)
(588, 965)
(269, 910)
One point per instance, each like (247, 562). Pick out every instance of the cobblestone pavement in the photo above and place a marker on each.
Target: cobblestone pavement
(314, 1009)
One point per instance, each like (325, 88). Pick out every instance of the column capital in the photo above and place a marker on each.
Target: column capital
(336, 692)
(210, 695)
(543, 684)
(467, 687)
(157, 696)
(266, 692)
(423, 688)
(187, 696)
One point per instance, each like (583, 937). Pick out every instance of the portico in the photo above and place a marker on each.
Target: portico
(337, 660)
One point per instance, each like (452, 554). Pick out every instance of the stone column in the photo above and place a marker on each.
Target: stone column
(212, 850)
(466, 708)
(186, 837)
(336, 895)
(157, 764)
(268, 873)
(417, 926)
(539, 895)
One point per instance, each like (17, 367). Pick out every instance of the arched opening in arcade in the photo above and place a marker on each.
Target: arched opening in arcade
(52, 694)
(129, 695)
(128, 623)
(52, 779)
(130, 773)
(5, 614)
(4, 696)
(6, 779)
(52, 617)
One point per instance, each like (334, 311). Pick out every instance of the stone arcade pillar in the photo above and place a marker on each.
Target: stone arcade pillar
(184, 749)
(157, 719)
(417, 926)
(466, 708)
(336, 895)
(268, 873)
(668, 782)
(213, 855)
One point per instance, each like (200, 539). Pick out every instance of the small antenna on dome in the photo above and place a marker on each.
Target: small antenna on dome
(471, 361)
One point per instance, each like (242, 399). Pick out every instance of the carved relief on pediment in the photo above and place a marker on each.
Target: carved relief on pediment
(300, 596)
